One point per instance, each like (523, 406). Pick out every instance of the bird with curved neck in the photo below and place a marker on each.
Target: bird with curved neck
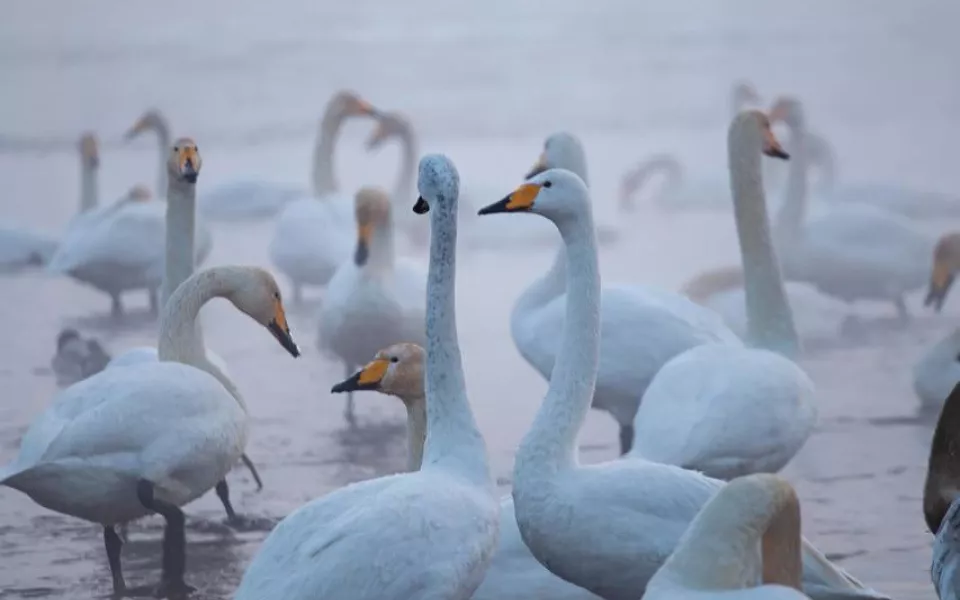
(431, 533)
(717, 554)
(183, 167)
(643, 327)
(373, 300)
(731, 411)
(152, 437)
(605, 527)
(311, 239)
(514, 573)
(941, 490)
(937, 371)
(153, 121)
(851, 251)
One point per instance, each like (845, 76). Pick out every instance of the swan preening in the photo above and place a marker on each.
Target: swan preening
(940, 494)
(152, 437)
(77, 358)
(425, 534)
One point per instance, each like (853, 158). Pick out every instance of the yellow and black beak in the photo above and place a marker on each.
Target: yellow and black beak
(520, 200)
(538, 167)
(940, 282)
(280, 330)
(367, 378)
(189, 164)
(421, 207)
(362, 253)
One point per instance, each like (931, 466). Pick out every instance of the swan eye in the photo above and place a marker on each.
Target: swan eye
(394, 359)
(276, 295)
(547, 184)
(176, 148)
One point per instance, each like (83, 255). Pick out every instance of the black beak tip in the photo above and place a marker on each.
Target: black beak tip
(338, 388)
(361, 254)
(191, 177)
(421, 206)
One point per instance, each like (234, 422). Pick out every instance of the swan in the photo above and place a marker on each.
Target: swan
(643, 327)
(427, 534)
(940, 493)
(77, 358)
(514, 573)
(148, 438)
(849, 251)
(605, 527)
(311, 238)
(818, 317)
(717, 555)
(731, 411)
(183, 167)
(373, 300)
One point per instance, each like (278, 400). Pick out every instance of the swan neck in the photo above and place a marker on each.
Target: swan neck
(635, 180)
(794, 209)
(382, 251)
(550, 445)
(769, 318)
(452, 434)
(89, 187)
(416, 431)
(180, 236)
(718, 544)
(324, 180)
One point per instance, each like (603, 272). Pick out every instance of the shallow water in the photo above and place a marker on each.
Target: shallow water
(485, 83)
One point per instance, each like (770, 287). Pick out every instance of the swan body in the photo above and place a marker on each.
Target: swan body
(311, 237)
(941, 502)
(642, 326)
(150, 437)
(246, 200)
(427, 534)
(20, 248)
(373, 300)
(717, 556)
(605, 527)
(852, 251)
(896, 198)
(938, 371)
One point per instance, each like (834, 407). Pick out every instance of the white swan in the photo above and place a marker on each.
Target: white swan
(731, 411)
(514, 573)
(77, 358)
(604, 527)
(312, 235)
(373, 300)
(643, 327)
(941, 492)
(428, 534)
(717, 556)
(148, 438)
(849, 251)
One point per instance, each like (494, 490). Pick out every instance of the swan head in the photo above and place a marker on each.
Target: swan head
(152, 120)
(437, 181)
(757, 125)
(255, 292)
(561, 150)
(89, 150)
(742, 93)
(372, 210)
(347, 103)
(790, 111)
(139, 193)
(397, 370)
(67, 336)
(946, 263)
(184, 162)
(389, 125)
(557, 194)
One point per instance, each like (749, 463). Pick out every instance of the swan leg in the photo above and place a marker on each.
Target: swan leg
(223, 492)
(253, 470)
(124, 531)
(154, 295)
(626, 438)
(174, 561)
(116, 307)
(113, 543)
(901, 309)
(348, 412)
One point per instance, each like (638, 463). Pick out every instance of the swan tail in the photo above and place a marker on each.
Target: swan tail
(822, 580)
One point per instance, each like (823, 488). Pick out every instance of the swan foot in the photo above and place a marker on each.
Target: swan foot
(174, 559)
(113, 544)
(253, 470)
(626, 438)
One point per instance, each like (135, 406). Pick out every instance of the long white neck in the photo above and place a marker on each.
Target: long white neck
(769, 319)
(792, 213)
(452, 435)
(163, 138)
(416, 431)
(89, 188)
(720, 545)
(181, 227)
(324, 180)
(179, 338)
(550, 445)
